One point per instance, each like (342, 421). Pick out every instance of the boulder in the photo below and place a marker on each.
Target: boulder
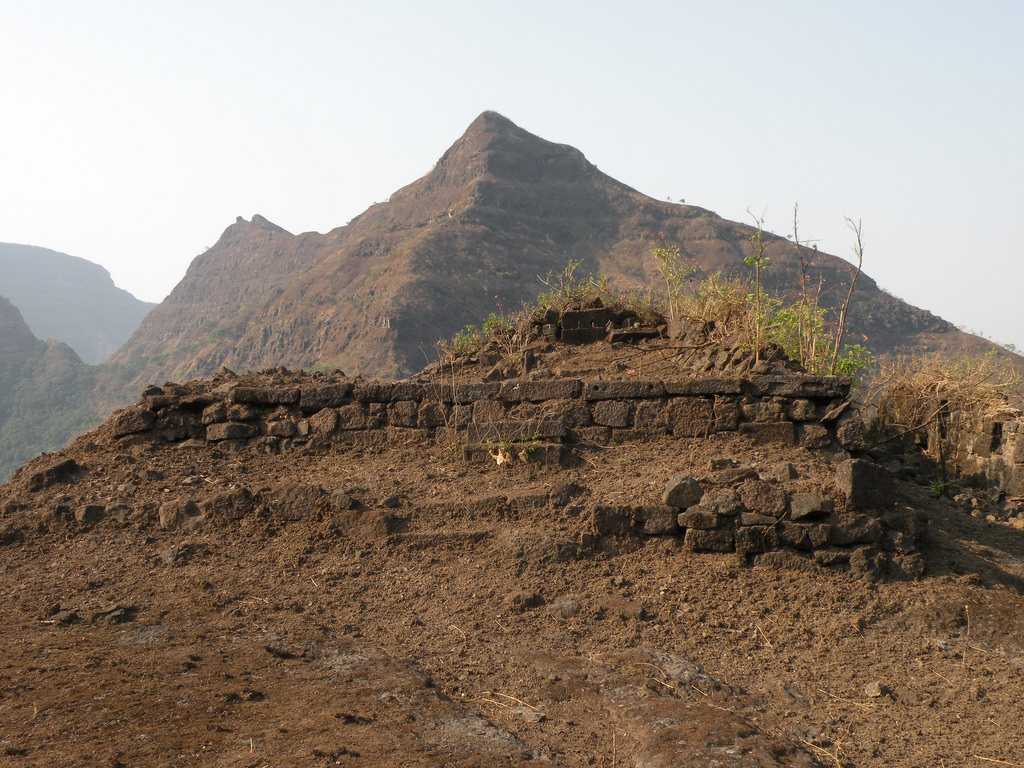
(764, 498)
(682, 491)
(866, 485)
(131, 421)
(60, 472)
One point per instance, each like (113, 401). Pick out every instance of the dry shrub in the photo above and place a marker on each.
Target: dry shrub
(723, 302)
(912, 393)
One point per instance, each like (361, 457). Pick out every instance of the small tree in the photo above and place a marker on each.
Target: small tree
(858, 251)
(675, 273)
(758, 259)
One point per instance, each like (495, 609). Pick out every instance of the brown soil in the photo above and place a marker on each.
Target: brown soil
(440, 622)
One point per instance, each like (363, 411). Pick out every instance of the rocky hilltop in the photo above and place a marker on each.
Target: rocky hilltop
(689, 558)
(69, 299)
(501, 207)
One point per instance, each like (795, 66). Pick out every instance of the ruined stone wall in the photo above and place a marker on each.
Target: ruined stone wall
(850, 517)
(537, 419)
(993, 448)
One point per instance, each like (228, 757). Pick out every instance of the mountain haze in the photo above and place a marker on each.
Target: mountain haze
(44, 392)
(499, 208)
(70, 299)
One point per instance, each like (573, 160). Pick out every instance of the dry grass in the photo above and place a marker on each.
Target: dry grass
(912, 394)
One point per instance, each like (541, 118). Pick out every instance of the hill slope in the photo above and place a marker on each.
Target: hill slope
(305, 570)
(67, 298)
(44, 390)
(501, 207)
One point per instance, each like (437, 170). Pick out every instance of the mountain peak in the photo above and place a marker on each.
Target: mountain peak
(493, 122)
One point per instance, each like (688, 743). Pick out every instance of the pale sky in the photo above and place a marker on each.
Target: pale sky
(133, 133)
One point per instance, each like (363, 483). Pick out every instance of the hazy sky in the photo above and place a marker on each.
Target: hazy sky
(133, 133)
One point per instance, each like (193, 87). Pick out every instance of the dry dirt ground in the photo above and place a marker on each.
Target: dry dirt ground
(442, 624)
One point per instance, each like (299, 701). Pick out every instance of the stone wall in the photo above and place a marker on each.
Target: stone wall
(992, 448)
(532, 420)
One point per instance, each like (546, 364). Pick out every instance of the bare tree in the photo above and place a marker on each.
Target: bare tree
(858, 251)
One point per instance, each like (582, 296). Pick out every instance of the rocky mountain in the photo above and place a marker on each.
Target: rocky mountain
(500, 207)
(44, 392)
(70, 299)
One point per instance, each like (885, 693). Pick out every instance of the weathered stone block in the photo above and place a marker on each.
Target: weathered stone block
(265, 395)
(516, 431)
(409, 390)
(60, 472)
(779, 433)
(585, 326)
(242, 412)
(754, 540)
(230, 431)
(352, 416)
(804, 506)
(753, 518)
(658, 520)
(850, 431)
(611, 520)
(324, 422)
(538, 391)
(704, 386)
(761, 411)
(813, 436)
(469, 393)
(488, 411)
(723, 501)
(132, 420)
(699, 518)
(596, 435)
(317, 397)
(650, 414)
(432, 414)
(855, 529)
(763, 497)
(865, 485)
(804, 536)
(620, 436)
(215, 413)
(803, 410)
(726, 414)
(376, 415)
(832, 558)
(682, 491)
(623, 390)
(720, 540)
(612, 413)
(372, 391)
(403, 413)
(815, 387)
(690, 416)
(281, 428)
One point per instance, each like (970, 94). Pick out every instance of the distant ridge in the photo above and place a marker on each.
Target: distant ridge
(44, 392)
(69, 299)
